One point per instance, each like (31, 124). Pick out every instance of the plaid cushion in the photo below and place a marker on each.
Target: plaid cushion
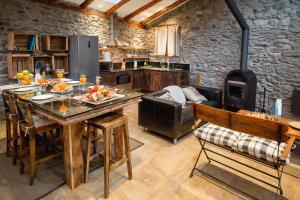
(260, 148)
(255, 146)
(217, 134)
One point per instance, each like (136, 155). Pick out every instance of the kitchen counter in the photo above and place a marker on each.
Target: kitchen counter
(145, 67)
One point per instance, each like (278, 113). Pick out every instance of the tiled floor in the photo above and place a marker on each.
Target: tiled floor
(161, 171)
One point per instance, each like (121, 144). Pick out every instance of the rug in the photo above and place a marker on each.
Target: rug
(49, 176)
(229, 181)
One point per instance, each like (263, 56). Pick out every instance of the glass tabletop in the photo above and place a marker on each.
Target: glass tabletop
(66, 104)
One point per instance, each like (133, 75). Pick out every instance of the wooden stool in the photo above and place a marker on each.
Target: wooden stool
(109, 124)
(12, 134)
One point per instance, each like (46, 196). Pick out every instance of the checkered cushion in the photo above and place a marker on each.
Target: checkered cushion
(255, 146)
(260, 148)
(217, 134)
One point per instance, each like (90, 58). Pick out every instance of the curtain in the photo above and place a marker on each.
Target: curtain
(161, 35)
(167, 41)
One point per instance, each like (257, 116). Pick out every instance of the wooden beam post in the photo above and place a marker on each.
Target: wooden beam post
(110, 11)
(161, 12)
(141, 9)
(86, 3)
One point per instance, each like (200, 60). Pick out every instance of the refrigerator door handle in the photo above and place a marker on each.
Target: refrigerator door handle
(89, 44)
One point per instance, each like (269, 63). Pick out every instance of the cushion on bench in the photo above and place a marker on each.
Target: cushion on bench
(257, 147)
(217, 134)
(260, 148)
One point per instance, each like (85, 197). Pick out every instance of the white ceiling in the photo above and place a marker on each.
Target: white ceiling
(129, 7)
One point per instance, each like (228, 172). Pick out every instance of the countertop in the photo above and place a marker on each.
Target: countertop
(146, 67)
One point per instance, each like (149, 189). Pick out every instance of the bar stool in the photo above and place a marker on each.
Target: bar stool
(31, 126)
(108, 124)
(12, 134)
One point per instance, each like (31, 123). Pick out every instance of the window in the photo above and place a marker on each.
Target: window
(167, 40)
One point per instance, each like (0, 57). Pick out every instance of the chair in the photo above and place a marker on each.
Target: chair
(32, 126)
(108, 124)
(11, 125)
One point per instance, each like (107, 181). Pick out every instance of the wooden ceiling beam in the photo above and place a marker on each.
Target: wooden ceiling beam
(162, 12)
(113, 9)
(72, 7)
(141, 9)
(86, 3)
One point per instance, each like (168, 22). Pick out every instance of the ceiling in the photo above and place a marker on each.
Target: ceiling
(127, 8)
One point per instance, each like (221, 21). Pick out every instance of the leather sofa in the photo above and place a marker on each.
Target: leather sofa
(169, 118)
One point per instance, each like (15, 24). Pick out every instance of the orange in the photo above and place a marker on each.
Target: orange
(63, 108)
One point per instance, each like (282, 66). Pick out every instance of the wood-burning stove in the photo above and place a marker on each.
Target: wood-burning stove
(240, 90)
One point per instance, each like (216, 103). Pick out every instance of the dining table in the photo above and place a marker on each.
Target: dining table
(71, 113)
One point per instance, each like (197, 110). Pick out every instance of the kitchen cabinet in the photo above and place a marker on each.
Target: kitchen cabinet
(148, 80)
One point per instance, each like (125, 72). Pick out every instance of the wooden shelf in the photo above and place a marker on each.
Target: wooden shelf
(55, 43)
(17, 63)
(20, 42)
(47, 49)
(61, 61)
(123, 48)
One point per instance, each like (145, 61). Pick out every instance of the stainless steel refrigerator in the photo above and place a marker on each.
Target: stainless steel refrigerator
(84, 57)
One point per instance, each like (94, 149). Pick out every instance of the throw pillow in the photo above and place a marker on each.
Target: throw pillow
(177, 94)
(193, 95)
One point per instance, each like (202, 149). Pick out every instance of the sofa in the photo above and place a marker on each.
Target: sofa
(169, 118)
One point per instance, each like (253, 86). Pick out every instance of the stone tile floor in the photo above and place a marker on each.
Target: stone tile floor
(161, 171)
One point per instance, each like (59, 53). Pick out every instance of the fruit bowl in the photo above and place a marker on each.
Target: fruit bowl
(25, 78)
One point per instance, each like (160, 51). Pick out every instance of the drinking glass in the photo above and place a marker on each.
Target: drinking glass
(82, 80)
(60, 73)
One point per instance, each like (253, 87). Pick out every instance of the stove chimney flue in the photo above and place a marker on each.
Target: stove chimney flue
(245, 32)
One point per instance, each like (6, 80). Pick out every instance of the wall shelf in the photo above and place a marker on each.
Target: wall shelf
(46, 49)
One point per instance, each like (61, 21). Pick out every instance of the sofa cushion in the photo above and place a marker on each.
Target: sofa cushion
(193, 95)
(210, 103)
(177, 94)
(217, 135)
(260, 148)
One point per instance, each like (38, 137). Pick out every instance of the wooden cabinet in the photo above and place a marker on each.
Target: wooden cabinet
(147, 80)
(108, 78)
(137, 81)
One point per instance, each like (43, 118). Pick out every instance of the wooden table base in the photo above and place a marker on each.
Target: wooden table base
(73, 157)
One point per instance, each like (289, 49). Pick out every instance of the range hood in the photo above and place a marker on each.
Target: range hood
(114, 40)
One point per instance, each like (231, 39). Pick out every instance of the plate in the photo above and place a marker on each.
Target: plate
(73, 82)
(92, 87)
(105, 99)
(42, 97)
(295, 125)
(25, 89)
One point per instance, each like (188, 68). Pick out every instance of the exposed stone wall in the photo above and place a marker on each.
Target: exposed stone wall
(211, 38)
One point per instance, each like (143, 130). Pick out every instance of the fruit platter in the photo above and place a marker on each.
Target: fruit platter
(98, 95)
(24, 77)
(61, 87)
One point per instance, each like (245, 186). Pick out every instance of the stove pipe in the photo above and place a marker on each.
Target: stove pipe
(245, 32)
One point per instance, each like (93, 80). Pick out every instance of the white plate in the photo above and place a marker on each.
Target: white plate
(92, 87)
(295, 125)
(25, 89)
(105, 99)
(73, 82)
(42, 97)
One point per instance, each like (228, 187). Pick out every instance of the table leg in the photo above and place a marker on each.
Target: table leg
(73, 157)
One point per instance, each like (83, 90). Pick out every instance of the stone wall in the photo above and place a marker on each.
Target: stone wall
(210, 42)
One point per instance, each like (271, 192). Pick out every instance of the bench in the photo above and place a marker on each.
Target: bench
(262, 140)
